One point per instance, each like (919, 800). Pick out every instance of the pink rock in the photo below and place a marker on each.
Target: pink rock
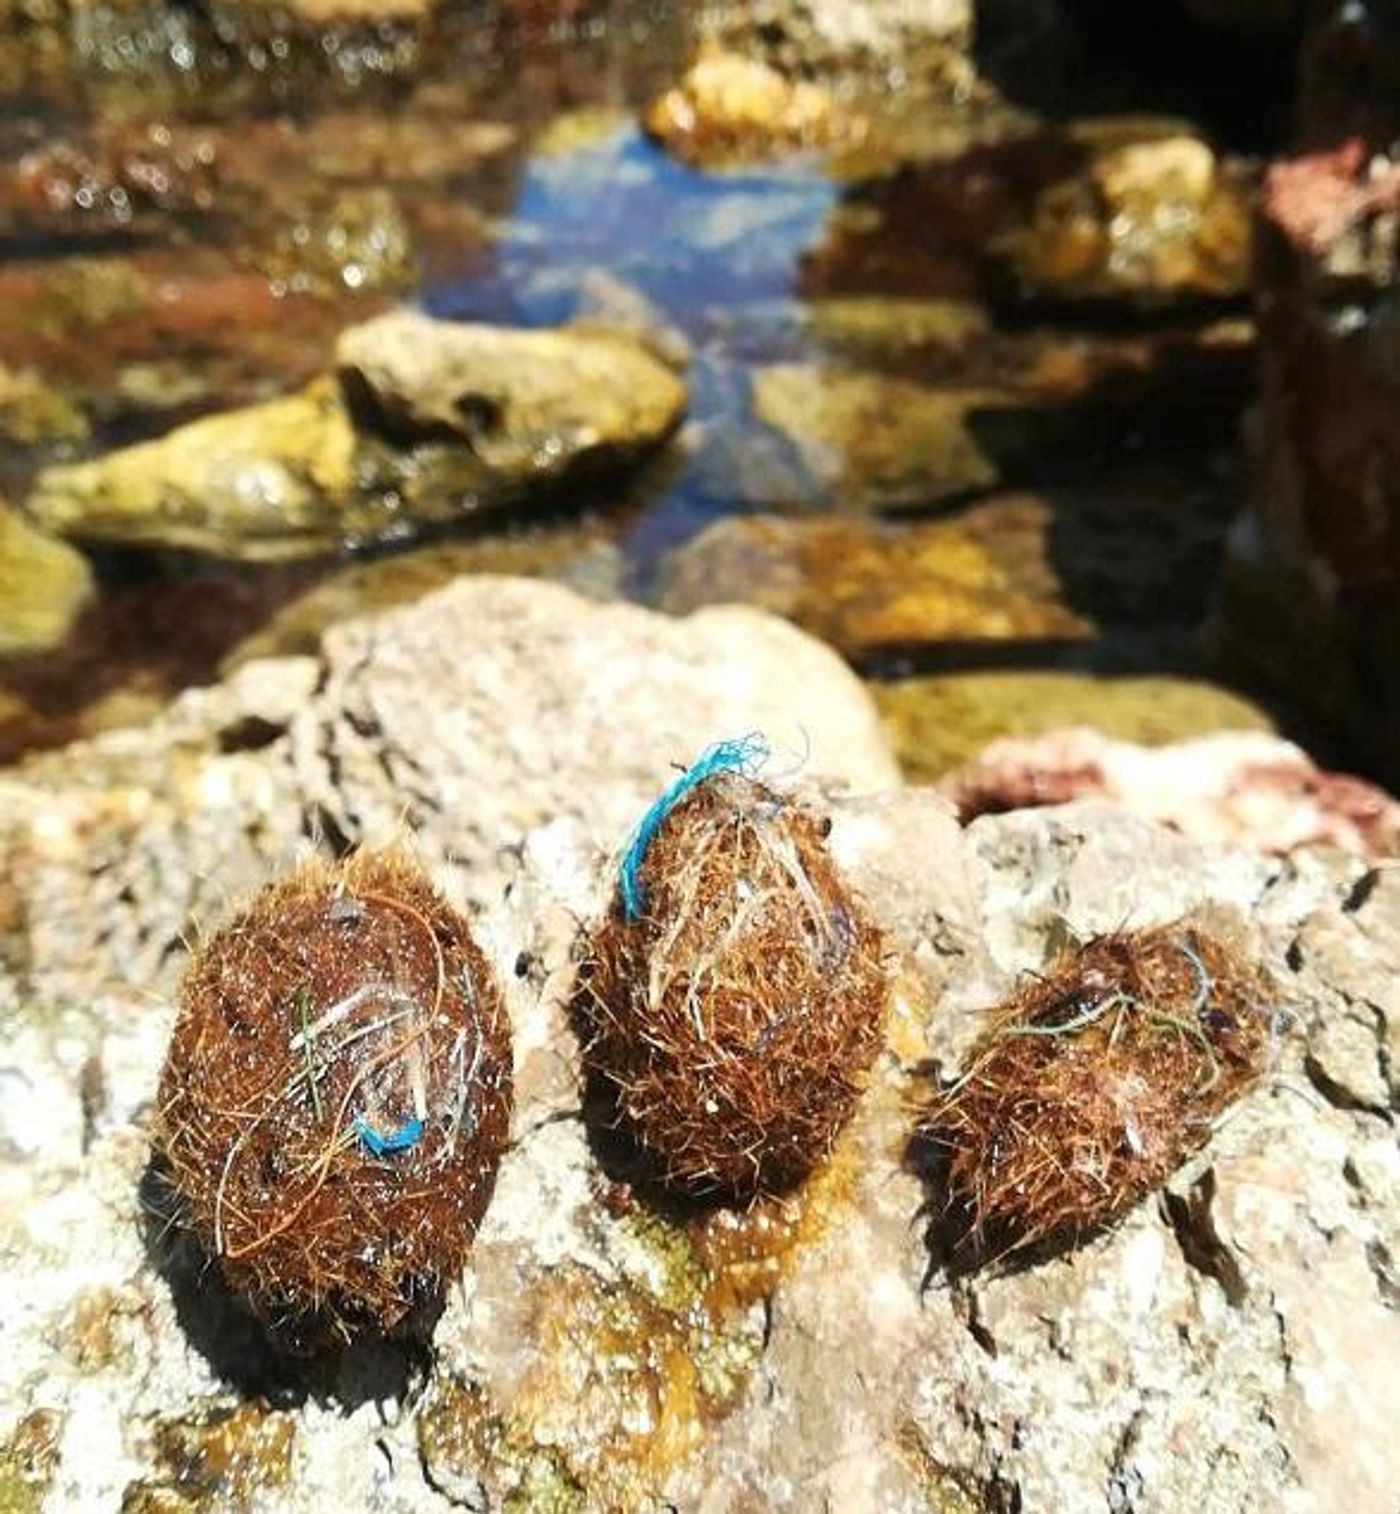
(1236, 788)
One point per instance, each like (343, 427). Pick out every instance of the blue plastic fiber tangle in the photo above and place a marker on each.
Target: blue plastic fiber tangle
(743, 754)
(403, 1139)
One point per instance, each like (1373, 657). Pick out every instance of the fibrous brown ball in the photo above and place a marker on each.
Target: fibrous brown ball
(733, 999)
(336, 1096)
(1093, 1083)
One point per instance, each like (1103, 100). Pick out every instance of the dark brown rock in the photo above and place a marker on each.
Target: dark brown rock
(1311, 596)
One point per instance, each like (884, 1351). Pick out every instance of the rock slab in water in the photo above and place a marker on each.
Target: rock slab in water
(874, 442)
(1229, 1349)
(866, 587)
(430, 421)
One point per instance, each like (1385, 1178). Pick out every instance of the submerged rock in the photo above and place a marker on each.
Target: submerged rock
(942, 721)
(1244, 788)
(119, 178)
(1311, 593)
(33, 414)
(430, 422)
(43, 585)
(351, 239)
(1046, 568)
(274, 480)
(877, 442)
(983, 577)
(1152, 216)
(872, 327)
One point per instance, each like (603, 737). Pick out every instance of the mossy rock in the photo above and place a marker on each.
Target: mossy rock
(1152, 216)
(936, 724)
(34, 414)
(43, 585)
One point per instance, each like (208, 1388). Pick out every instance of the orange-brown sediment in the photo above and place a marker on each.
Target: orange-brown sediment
(336, 1095)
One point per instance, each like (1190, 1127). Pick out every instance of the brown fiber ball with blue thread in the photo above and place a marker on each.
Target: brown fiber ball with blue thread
(336, 1097)
(734, 1015)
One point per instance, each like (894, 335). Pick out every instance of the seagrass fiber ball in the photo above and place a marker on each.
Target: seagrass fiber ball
(1093, 1082)
(733, 999)
(336, 1096)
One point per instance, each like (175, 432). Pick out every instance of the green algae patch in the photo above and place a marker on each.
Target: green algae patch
(460, 1440)
(102, 1328)
(28, 1459)
(936, 724)
(947, 1492)
(628, 1374)
(613, 1401)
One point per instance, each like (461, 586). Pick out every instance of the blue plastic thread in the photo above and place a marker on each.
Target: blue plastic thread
(744, 754)
(405, 1138)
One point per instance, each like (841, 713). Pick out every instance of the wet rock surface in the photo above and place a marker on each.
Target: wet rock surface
(1152, 216)
(1042, 573)
(428, 422)
(728, 108)
(985, 577)
(602, 1353)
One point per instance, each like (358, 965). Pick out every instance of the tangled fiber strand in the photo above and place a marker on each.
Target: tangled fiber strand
(336, 1096)
(1093, 1083)
(746, 755)
(734, 1013)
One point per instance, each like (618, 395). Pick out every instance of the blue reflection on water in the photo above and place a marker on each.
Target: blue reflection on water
(717, 256)
(695, 244)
